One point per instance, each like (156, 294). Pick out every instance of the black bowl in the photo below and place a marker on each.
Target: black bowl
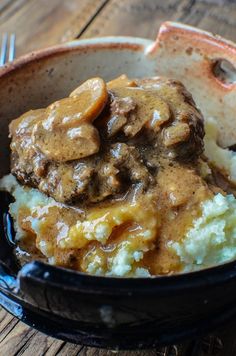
(117, 313)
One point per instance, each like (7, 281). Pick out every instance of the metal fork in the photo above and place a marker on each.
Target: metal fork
(7, 47)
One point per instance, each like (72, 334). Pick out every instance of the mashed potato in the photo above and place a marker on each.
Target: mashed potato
(221, 158)
(212, 238)
(59, 229)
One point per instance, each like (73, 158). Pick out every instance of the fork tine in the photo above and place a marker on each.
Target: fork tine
(11, 54)
(3, 49)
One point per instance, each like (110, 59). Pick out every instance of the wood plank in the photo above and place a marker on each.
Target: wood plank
(7, 323)
(9, 7)
(19, 337)
(143, 18)
(215, 17)
(4, 5)
(39, 344)
(40, 23)
(69, 350)
(133, 18)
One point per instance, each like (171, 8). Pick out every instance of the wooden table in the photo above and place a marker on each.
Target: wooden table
(40, 23)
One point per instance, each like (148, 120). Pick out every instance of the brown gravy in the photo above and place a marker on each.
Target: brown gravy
(135, 142)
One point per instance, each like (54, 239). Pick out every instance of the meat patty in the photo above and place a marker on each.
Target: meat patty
(112, 138)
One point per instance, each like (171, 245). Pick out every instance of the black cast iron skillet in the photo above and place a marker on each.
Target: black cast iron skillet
(106, 312)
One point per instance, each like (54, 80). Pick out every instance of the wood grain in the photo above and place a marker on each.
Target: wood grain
(39, 23)
(143, 18)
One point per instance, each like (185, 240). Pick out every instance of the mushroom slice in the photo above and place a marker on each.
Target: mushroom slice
(92, 96)
(66, 132)
(121, 81)
(67, 144)
(83, 105)
(22, 126)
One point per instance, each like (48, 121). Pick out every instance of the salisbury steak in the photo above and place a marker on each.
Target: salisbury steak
(104, 139)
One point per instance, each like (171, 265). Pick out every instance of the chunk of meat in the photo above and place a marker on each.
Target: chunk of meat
(162, 106)
(120, 109)
(186, 143)
(151, 111)
(98, 145)
(176, 134)
(91, 180)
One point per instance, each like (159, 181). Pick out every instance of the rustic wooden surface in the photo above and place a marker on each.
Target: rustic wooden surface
(39, 23)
